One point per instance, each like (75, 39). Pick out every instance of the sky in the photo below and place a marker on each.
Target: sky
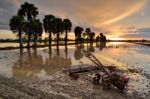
(118, 19)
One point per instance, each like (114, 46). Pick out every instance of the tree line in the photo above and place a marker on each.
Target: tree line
(27, 25)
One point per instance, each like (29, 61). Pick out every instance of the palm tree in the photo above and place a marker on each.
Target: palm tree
(87, 31)
(17, 25)
(91, 35)
(57, 28)
(67, 25)
(48, 26)
(29, 12)
(78, 31)
(37, 30)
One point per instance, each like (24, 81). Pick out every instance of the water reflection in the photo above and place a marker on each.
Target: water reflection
(91, 48)
(31, 63)
(78, 54)
(38, 63)
(101, 45)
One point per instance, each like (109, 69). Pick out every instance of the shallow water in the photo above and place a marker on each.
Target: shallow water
(42, 63)
(8, 44)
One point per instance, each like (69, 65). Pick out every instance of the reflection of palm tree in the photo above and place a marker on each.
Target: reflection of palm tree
(50, 52)
(21, 56)
(66, 52)
(78, 54)
(102, 45)
(56, 63)
(57, 51)
(30, 66)
(91, 48)
(67, 28)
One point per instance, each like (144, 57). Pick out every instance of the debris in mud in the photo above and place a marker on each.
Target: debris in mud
(75, 76)
(135, 70)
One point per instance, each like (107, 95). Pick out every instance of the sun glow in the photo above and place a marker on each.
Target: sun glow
(110, 37)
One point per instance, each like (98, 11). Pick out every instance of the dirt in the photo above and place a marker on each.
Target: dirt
(61, 86)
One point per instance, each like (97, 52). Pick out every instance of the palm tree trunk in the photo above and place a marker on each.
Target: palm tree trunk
(57, 39)
(35, 40)
(66, 37)
(20, 39)
(29, 39)
(50, 38)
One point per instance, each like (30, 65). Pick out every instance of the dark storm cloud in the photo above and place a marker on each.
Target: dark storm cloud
(7, 10)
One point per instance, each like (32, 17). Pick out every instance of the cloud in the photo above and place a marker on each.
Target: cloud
(144, 30)
(137, 33)
(135, 8)
(96, 14)
(8, 8)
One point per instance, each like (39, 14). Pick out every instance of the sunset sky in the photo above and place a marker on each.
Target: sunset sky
(118, 19)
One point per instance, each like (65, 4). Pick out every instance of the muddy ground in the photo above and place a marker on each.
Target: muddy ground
(60, 86)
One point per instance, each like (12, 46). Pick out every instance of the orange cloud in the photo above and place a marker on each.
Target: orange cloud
(136, 7)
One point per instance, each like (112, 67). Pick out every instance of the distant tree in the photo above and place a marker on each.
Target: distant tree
(67, 25)
(48, 26)
(78, 31)
(29, 12)
(17, 25)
